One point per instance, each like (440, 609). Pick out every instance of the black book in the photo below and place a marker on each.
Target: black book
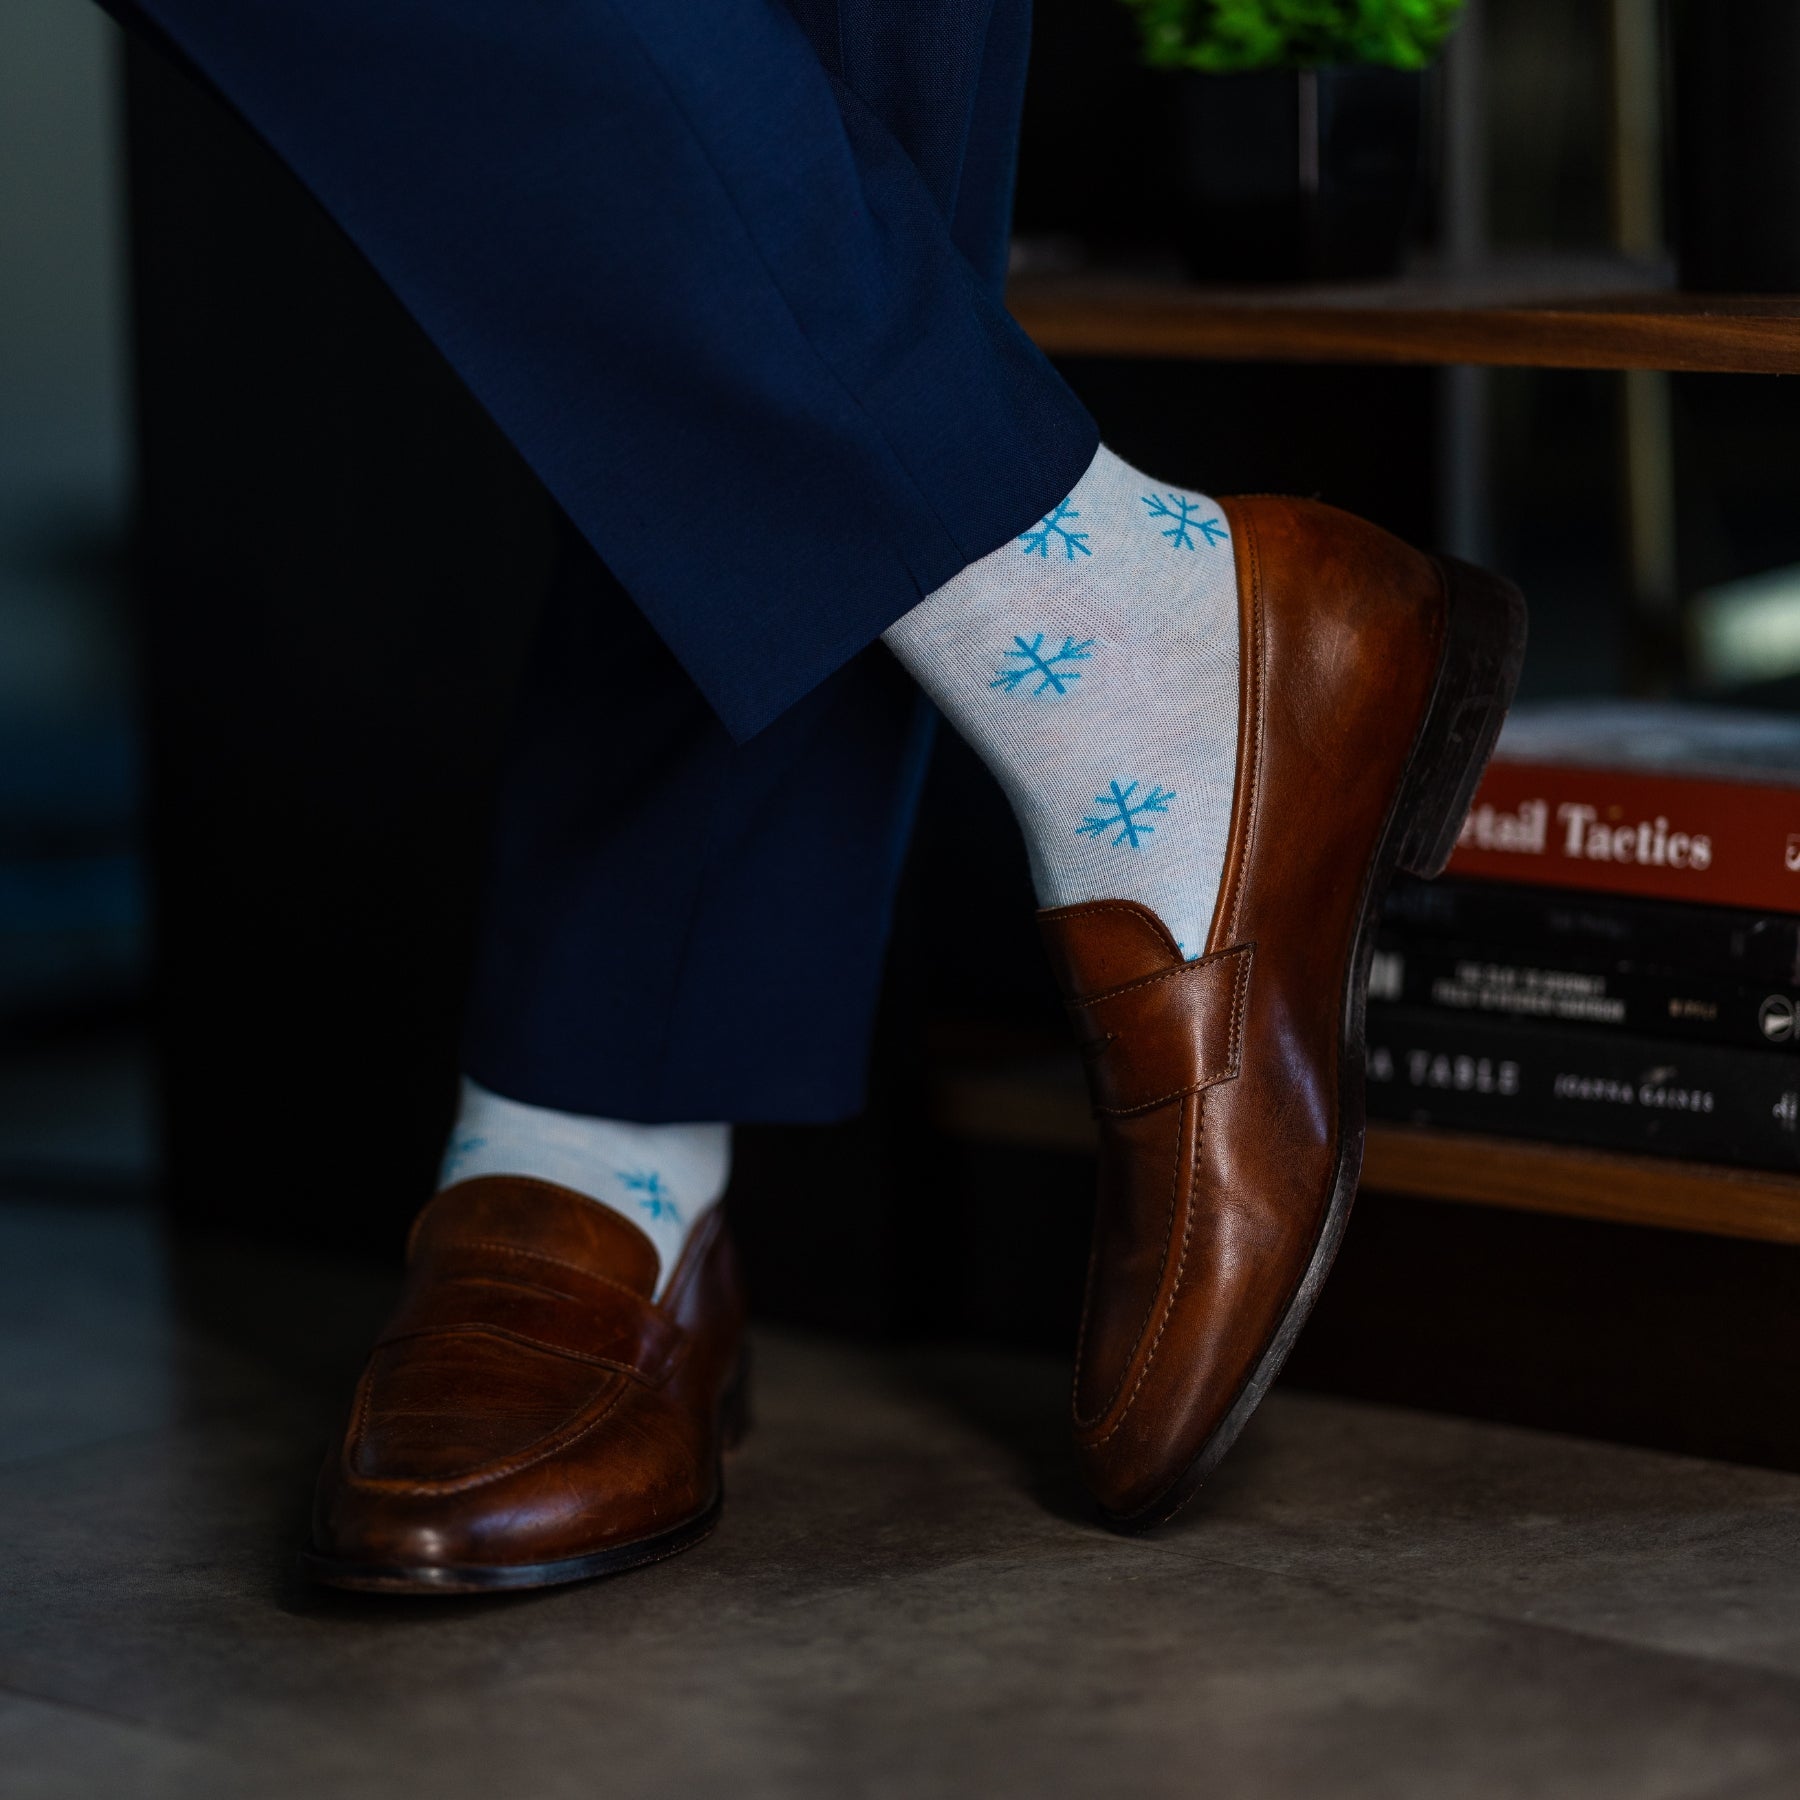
(1604, 931)
(1551, 986)
(1654, 1096)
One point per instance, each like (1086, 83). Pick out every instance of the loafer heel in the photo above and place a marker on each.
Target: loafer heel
(1484, 647)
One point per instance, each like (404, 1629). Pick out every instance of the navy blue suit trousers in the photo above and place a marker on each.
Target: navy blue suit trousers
(728, 274)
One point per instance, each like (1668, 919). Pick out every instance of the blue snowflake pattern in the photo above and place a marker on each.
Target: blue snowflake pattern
(461, 1149)
(1033, 662)
(1184, 515)
(653, 1197)
(1037, 543)
(1126, 814)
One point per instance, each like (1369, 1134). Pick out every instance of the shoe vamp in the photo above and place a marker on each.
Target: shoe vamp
(1144, 1175)
(1192, 1266)
(441, 1407)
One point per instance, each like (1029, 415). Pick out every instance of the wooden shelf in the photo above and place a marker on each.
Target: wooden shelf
(1583, 1184)
(1546, 312)
(1040, 1103)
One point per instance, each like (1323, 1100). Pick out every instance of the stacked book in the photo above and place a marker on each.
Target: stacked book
(1613, 957)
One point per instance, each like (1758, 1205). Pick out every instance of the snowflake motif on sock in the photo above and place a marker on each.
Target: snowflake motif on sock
(461, 1149)
(652, 1197)
(1125, 814)
(1037, 543)
(1054, 679)
(1184, 515)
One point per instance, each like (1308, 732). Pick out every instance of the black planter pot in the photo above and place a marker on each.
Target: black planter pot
(1737, 144)
(1296, 174)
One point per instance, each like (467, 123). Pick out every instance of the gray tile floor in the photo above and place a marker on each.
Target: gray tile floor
(906, 1596)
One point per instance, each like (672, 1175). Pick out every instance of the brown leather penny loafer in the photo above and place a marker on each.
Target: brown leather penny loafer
(529, 1415)
(1229, 1090)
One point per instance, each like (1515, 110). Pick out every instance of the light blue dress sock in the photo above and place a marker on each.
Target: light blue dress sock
(1093, 665)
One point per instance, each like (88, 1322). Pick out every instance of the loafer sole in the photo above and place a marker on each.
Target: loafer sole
(497, 1578)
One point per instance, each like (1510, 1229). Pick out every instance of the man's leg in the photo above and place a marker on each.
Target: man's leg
(695, 278)
(622, 817)
(680, 924)
(680, 927)
(462, 156)
(639, 824)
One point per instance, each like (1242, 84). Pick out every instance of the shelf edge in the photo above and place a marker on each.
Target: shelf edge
(1579, 1183)
(1524, 337)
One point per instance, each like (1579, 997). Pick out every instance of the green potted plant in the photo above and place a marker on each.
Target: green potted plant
(1299, 127)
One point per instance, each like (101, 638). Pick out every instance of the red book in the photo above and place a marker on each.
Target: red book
(1669, 802)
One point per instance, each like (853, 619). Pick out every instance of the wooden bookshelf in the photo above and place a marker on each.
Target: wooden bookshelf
(1039, 1102)
(1585, 1184)
(1602, 312)
(1560, 312)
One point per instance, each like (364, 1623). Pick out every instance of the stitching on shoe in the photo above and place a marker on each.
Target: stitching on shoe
(555, 1191)
(1235, 1031)
(1187, 1232)
(1146, 1106)
(546, 1447)
(555, 1262)
(1149, 1313)
(1146, 981)
(359, 1423)
(1240, 987)
(650, 1377)
(1093, 909)
(1087, 1312)
(356, 1436)
(507, 1282)
(1256, 667)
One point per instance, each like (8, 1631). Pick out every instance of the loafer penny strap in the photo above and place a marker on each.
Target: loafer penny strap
(1169, 1035)
(610, 1326)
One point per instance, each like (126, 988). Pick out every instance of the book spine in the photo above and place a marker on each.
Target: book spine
(1599, 930)
(1614, 1092)
(1671, 837)
(1489, 981)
